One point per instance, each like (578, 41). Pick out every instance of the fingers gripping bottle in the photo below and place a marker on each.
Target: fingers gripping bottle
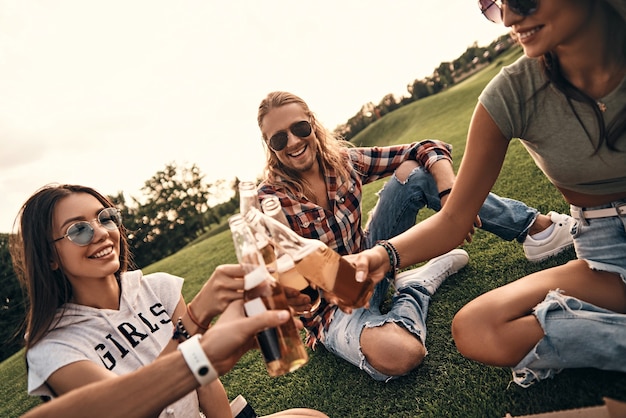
(317, 263)
(282, 347)
(288, 275)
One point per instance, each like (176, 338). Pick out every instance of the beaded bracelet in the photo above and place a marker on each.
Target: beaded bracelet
(180, 333)
(394, 256)
(194, 320)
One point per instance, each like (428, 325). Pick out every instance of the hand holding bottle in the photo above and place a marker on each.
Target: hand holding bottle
(223, 287)
(282, 347)
(233, 333)
(317, 262)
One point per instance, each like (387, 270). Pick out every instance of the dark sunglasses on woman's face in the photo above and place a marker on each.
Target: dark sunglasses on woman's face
(492, 9)
(279, 140)
(81, 233)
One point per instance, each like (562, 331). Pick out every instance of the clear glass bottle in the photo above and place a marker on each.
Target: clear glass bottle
(282, 347)
(288, 275)
(248, 196)
(317, 263)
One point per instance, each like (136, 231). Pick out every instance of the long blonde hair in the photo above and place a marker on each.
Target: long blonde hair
(332, 148)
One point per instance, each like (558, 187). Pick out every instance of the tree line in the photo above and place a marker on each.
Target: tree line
(444, 76)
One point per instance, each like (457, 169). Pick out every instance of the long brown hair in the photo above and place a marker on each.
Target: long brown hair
(615, 30)
(33, 252)
(331, 148)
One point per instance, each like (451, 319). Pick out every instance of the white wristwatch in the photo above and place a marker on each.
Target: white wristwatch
(196, 359)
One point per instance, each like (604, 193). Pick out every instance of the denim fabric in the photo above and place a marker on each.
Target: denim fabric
(409, 308)
(578, 334)
(398, 206)
(602, 242)
(507, 218)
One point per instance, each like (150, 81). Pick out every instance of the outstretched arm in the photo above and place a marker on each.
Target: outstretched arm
(445, 230)
(146, 391)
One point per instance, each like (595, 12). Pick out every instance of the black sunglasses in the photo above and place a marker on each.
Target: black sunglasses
(279, 140)
(492, 9)
(81, 233)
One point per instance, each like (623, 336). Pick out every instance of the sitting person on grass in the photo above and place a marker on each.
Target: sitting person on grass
(318, 179)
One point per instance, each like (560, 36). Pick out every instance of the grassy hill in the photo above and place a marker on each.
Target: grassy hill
(446, 384)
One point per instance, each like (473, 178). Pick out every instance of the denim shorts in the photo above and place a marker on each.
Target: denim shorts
(601, 242)
(577, 333)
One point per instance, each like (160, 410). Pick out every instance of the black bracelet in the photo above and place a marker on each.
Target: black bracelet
(180, 333)
(444, 192)
(394, 256)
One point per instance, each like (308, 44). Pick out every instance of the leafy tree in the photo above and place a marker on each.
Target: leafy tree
(12, 303)
(173, 214)
(419, 89)
(387, 104)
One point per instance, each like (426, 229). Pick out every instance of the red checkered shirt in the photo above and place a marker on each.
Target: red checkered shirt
(340, 228)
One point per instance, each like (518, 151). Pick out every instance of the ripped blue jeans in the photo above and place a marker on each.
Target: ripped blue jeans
(577, 333)
(396, 210)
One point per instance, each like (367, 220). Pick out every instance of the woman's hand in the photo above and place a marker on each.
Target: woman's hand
(233, 334)
(223, 287)
(372, 263)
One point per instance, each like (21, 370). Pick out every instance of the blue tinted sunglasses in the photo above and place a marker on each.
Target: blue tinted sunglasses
(81, 233)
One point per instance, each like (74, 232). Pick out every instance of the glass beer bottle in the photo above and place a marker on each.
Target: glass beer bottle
(288, 275)
(248, 196)
(281, 347)
(317, 263)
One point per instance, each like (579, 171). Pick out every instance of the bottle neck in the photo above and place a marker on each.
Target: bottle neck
(283, 236)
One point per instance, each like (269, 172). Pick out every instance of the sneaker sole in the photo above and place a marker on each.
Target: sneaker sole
(545, 256)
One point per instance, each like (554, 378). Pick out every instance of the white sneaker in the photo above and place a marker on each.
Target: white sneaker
(559, 240)
(432, 274)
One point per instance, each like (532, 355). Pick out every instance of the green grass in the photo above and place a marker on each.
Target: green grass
(446, 384)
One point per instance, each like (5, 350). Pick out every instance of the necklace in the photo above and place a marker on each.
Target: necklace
(601, 106)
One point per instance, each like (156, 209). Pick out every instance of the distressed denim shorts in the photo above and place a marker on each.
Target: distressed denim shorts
(576, 333)
(601, 242)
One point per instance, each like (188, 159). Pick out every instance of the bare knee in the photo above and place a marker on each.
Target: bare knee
(467, 334)
(480, 337)
(391, 349)
(405, 169)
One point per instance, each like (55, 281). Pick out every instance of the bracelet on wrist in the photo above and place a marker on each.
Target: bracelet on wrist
(194, 319)
(180, 333)
(394, 257)
(444, 192)
(197, 361)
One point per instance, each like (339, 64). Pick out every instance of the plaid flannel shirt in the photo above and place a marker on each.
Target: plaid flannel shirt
(340, 228)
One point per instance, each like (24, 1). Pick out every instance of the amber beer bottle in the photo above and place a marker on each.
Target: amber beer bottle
(281, 347)
(318, 264)
(288, 275)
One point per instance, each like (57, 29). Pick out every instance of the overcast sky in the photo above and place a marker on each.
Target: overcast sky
(106, 93)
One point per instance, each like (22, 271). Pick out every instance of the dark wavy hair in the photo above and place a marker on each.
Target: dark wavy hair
(32, 252)
(615, 30)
